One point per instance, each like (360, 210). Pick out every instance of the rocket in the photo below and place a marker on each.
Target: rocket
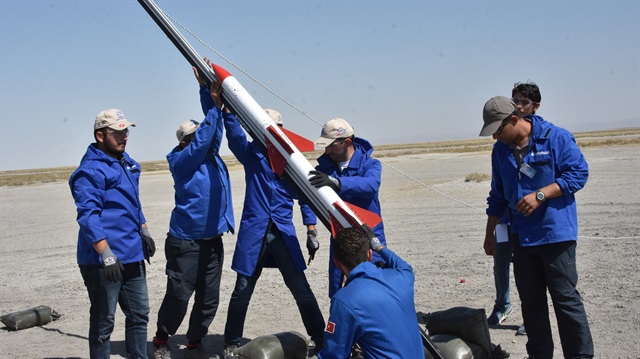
(285, 157)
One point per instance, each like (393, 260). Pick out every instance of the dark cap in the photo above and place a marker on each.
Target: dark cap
(495, 111)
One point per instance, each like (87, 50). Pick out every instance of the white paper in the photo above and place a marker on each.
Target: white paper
(501, 233)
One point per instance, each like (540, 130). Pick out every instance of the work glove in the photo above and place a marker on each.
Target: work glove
(112, 266)
(321, 179)
(148, 241)
(312, 244)
(374, 242)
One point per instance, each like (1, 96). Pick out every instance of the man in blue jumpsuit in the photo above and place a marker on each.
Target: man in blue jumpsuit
(113, 239)
(267, 238)
(375, 309)
(537, 168)
(203, 212)
(347, 167)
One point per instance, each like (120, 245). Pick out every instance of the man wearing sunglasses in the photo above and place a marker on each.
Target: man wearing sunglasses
(113, 240)
(347, 167)
(537, 168)
(203, 212)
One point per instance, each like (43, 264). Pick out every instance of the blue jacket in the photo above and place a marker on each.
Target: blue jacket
(376, 310)
(555, 156)
(201, 181)
(360, 182)
(268, 200)
(106, 194)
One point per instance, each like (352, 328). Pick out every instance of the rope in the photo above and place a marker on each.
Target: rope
(428, 187)
(237, 67)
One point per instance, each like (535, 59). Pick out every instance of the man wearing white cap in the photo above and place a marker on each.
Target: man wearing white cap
(113, 240)
(347, 167)
(203, 212)
(537, 168)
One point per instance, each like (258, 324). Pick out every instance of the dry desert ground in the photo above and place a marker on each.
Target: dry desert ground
(436, 224)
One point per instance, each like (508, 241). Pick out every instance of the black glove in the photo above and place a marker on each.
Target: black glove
(112, 266)
(374, 242)
(148, 241)
(312, 243)
(321, 179)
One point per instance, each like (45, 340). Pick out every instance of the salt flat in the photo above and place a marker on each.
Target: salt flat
(437, 225)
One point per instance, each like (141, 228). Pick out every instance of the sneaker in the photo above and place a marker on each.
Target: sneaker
(229, 351)
(161, 351)
(521, 330)
(198, 353)
(498, 317)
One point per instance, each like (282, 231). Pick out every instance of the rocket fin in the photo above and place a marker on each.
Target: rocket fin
(301, 143)
(366, 216)
(277, 161)
(363, 216)
(335, 225)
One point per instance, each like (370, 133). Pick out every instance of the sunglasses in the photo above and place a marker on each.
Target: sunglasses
(501, 128)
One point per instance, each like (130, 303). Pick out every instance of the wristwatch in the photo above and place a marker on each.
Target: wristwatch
(540, 196)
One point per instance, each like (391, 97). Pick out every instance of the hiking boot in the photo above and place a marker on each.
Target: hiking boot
(162, 351)
(498, 316)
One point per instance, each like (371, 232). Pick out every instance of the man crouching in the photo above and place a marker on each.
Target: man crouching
(375, 308)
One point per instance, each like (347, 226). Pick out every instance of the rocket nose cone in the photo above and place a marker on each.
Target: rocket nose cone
(220, 72)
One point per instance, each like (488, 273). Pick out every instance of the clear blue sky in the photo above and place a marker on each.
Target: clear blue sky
(398, 71)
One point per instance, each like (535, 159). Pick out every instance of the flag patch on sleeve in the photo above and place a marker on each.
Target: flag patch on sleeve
(331, 327)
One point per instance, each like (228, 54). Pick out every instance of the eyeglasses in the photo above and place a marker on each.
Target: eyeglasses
(523, 101)
(119, 134)
(335, 143)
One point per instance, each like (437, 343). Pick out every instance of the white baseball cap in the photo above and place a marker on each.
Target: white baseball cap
(186, 128)
(112, 118)
(334, 128)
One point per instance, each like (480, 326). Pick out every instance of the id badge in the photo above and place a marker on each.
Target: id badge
(527, 170)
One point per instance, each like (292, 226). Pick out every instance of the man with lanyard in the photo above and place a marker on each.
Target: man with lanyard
(537, 168)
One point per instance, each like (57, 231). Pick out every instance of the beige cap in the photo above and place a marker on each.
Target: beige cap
(334, 128)
(186, 128)
(112, 118)
(275, 116)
